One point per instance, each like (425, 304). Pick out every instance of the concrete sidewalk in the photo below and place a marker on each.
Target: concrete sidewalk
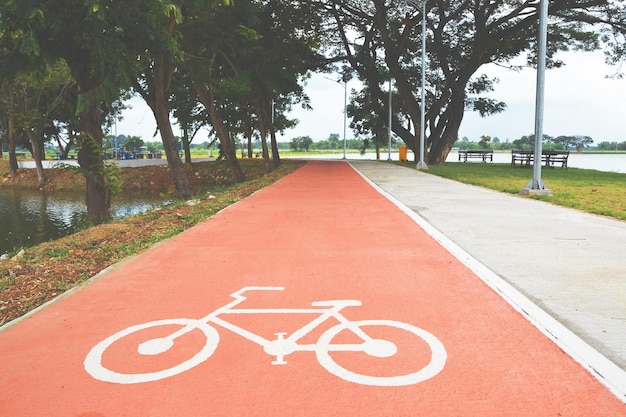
(569, 263)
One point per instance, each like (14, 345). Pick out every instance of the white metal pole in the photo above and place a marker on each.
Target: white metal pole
(345, 115)
(389, 123)
(422, 164)
(536, 185)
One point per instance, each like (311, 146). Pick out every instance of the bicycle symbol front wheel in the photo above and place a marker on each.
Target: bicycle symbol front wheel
(380, 348)
(93, 361)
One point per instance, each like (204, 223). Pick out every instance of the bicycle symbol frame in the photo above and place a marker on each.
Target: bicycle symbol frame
(280, 347)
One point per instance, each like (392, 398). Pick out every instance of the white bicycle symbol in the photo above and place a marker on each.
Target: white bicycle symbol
(280, 347)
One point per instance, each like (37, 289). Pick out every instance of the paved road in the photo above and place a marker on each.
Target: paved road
(315, 296)
(570, 263)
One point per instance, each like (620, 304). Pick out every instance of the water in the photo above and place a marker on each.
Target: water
(599, 162)
(30, 217)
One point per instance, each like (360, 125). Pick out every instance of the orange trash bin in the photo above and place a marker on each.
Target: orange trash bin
(402, 150)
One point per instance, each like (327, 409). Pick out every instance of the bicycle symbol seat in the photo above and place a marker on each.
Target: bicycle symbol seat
(284, 344)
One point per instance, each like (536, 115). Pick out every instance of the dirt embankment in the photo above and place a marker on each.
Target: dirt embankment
(203, 176)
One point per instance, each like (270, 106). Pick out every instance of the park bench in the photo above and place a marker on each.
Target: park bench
(482, 154)
(525, 158)
(549, 158)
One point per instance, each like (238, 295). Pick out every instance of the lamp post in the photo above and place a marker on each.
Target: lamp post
(345, 114)
(536, 185)
(389, 121)
(345, 110)
(421, 164)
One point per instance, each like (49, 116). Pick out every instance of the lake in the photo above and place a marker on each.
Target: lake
(600, 162)
(29, 217)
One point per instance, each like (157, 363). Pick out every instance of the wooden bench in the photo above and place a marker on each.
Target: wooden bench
(549, 158)
(525, 158)
(482, 154)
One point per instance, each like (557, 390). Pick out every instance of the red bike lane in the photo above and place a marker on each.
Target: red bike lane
(315, 296)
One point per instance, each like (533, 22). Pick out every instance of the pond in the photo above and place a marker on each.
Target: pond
(30, 217)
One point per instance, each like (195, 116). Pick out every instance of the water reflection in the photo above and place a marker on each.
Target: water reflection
(30, 217)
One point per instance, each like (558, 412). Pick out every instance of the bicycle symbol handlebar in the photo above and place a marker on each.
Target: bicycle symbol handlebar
(280, 347)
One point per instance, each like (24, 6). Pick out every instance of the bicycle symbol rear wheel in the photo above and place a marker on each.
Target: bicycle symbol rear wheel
(93, 361)
(436, 364)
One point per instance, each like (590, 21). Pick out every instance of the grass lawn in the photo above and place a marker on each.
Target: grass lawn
(586, 190)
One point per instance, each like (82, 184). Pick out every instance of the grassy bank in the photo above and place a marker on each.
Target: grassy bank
(591, 191)
(47, 270)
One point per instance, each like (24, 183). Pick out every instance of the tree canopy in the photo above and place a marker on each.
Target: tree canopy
(240, 66)
(232, 59)
(381, 41)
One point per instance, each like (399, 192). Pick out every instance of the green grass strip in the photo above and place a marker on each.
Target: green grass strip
(587, 190)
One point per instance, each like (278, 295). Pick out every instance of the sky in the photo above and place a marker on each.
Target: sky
(579, 100)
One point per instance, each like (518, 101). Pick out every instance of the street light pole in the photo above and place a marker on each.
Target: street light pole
(345, 114)
(389, 124)
(536, 185)
(421, 164)
(345, 111)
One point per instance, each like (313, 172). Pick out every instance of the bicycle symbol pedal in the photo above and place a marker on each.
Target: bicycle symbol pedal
(284, 344)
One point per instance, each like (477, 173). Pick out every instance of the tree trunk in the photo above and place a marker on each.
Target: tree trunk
(442, 143)
(186, 147)
(12, 155)
(260, 111)
(160, 108)
(228, 146)
(90, 160)
(184, 140)
(275, 154)
(265, 152)
(36, 150)
(249, 134)
(179, 176)
(11, 134)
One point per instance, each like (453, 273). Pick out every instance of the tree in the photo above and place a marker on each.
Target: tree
(156, 40)
(82, 33)
(188, 112)
(301, 143)
(380, 40)
(7, 123)
(333, 140)
(246, 68)
(38, 95)
(611, 146)
(528, 142)
(485, 142)
(209, 38)
(133, 143)
(577, 142)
